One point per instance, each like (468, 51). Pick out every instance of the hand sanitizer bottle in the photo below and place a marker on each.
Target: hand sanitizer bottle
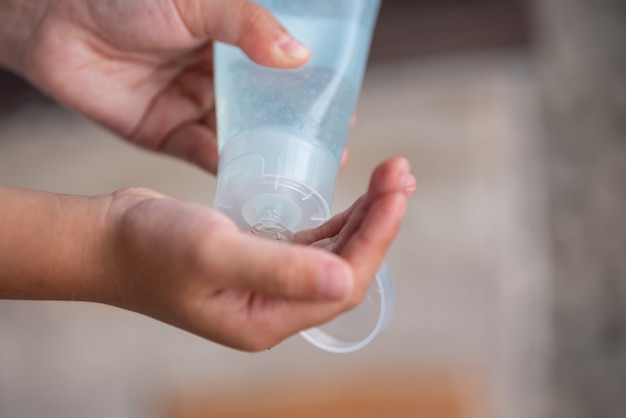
(281, 134)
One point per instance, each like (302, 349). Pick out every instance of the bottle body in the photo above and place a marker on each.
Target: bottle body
(281, 133)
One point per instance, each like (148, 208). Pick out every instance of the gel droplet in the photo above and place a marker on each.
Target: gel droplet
(272, 230)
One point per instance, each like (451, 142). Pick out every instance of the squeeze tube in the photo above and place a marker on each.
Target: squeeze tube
(281, 134)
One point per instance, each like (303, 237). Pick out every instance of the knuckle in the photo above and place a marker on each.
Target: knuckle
(255, 14)
(256, 28)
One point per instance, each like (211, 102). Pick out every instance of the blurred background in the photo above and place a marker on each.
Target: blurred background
(510, 266)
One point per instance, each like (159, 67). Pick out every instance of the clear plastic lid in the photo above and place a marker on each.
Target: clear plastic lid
(357, 328)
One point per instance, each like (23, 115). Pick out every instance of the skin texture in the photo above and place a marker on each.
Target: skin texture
(293, 287)
(148, 64)
(143, 69)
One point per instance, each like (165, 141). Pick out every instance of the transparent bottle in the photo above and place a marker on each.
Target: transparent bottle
(281, 134)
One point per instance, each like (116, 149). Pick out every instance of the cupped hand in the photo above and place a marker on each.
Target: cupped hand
(189, 266)
(143, 68)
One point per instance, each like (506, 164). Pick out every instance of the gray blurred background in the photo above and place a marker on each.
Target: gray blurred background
(510, 265)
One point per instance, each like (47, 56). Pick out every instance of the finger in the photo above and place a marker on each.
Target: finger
(292, 272)
(373, 225)
(393, 170)
(247, 25)
(330, 228)
(393, 175)
(196, 143)
(366, 249)
(181, 119)
(389, 177)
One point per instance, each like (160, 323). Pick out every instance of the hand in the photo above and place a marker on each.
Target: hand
(143, 68)
(189, 266)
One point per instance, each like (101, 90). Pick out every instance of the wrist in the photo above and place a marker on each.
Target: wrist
(53, 246)
(121, 262)
(19, 20)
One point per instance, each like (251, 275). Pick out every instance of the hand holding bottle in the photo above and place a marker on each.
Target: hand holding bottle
(143, 69)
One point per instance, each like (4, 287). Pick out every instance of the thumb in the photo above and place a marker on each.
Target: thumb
(246, 25)
(283, 270)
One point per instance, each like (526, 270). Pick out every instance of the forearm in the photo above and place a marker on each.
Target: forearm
(52, 246)
(19, 19)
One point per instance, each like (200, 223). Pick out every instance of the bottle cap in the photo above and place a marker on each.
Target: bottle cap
(271, 176)
(357, 328)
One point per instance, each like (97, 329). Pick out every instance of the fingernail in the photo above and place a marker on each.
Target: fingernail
(335, 283)
(408, 184)
(292, 48)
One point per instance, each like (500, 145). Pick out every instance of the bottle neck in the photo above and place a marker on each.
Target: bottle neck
(272, 229)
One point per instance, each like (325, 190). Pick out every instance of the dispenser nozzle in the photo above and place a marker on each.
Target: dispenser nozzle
(272, 230)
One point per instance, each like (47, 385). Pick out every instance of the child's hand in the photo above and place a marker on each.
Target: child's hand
(189, 266)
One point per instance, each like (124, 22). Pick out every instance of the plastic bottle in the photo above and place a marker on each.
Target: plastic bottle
(281, 134)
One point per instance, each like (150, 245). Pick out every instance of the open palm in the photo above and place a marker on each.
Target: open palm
(189, 266)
